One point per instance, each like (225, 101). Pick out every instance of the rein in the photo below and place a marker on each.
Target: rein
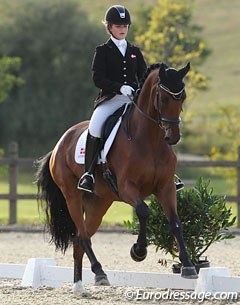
(158, 122)
(161, 119)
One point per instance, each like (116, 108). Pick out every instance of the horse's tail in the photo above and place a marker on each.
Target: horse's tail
(51, 200)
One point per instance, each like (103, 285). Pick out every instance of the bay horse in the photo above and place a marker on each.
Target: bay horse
(143, 164)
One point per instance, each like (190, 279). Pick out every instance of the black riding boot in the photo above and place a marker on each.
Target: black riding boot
(179, 184)
(87, 181)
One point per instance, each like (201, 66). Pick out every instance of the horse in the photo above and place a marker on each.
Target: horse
(143, 163)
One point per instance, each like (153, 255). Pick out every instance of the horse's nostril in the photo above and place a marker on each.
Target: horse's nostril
(172, 140)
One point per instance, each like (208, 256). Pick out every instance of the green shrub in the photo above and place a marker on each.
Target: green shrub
(204, 216)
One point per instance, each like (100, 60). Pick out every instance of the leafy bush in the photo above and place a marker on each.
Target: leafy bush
(204, 216)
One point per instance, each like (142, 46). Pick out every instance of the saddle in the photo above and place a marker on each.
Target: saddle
(112, 120)
(119, 118)
(108, 175)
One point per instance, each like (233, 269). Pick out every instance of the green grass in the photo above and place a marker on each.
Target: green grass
(27, 210)
(27, 213)
(117, 213)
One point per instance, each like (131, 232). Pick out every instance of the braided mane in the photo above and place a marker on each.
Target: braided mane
(148, 71)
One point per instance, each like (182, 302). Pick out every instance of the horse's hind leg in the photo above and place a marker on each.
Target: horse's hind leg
(95, 208)
(75, 210)
(79, 248)
(81, 242)
(78, 253)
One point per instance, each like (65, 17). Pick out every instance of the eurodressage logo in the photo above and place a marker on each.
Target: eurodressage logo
(152, 295)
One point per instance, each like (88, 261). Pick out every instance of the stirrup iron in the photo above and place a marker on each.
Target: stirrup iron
(90, 189)
(179, 183)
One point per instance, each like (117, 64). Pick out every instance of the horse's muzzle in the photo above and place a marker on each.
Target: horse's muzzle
(173, 140)
(172, 137)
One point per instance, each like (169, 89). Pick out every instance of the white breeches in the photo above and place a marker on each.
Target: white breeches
(103, 111)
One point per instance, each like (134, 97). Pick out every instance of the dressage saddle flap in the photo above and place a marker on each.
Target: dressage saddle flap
(111, 122)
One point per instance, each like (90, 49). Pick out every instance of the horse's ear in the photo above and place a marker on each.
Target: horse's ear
(182, 72)
(162, 73)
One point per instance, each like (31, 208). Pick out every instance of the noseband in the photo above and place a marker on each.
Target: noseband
(176, 96)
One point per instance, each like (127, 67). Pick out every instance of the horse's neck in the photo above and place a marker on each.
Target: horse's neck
(143, 125)
(147, 96)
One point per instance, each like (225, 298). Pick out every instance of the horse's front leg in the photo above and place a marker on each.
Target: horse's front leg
(129, 193)
(169, 204)
(139, 249)
(188, 269)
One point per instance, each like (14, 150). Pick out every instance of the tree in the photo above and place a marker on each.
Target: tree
(56, 43)
(229, 128)
(8, 78)
(168, 36)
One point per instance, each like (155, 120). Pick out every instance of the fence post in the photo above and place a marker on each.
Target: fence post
(13, 155)
(238, 188)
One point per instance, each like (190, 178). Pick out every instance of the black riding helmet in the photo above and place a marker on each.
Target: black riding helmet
(117, 14)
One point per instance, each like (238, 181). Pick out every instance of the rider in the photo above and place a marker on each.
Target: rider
(117, 67)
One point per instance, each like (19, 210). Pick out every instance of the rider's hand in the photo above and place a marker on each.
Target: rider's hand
(126, 90)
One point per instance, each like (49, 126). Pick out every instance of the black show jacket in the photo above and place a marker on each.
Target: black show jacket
(111, 70)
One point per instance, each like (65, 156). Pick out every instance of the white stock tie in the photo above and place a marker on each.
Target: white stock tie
(122, 46)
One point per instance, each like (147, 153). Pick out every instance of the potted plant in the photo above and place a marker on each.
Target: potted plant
(205, 219)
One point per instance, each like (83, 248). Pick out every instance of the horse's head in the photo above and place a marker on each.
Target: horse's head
(171, 95)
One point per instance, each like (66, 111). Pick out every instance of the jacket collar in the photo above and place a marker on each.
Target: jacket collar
(111, 44)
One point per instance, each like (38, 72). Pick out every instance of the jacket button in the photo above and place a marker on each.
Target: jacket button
(124, 75)
(125, 82)
(124, 61)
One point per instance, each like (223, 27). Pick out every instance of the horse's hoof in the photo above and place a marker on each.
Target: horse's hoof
(189, 273)
(101, 280)
(140, 256)
(79, 291)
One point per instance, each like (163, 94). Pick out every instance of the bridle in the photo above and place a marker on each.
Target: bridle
(175, 95)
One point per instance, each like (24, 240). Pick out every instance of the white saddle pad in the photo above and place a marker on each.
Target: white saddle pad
(81, 144)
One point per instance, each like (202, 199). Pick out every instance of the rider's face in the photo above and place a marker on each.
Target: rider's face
(119, 31)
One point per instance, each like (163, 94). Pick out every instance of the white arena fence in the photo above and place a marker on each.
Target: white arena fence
(44, 272)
